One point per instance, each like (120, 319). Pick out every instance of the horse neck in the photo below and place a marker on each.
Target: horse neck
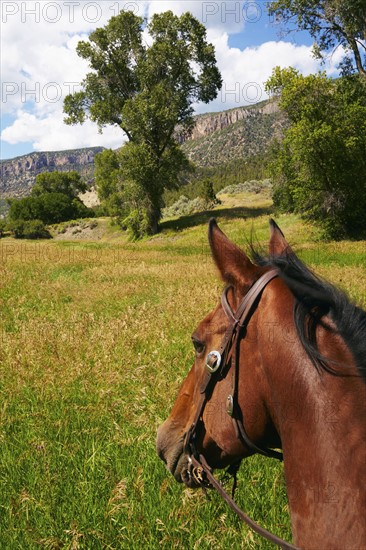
(321, 422)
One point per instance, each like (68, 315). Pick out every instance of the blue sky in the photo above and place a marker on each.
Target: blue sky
(39, 65)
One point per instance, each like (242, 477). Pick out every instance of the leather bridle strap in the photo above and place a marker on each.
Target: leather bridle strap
(249, 299)
(201, 463)
(240, 318)
(236, 320)
(198, 463)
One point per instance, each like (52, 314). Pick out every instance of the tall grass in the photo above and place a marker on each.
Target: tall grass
(95, 342)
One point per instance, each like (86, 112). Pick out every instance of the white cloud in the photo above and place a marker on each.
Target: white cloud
(40, 65)
(244, 72)
(229, 16)
(51, 134)
(38, 42)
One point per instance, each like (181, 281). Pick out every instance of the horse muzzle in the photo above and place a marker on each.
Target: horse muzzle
(177, 460)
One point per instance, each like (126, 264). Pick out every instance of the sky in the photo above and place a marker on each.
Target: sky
(39, 65)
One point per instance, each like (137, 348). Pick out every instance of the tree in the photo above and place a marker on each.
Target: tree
(23, 209)
(332, 23)
(48, 207)
(107, 171)
(67, 183)
(207, 193)
(146, 90)
(108, 180)
(319, 169)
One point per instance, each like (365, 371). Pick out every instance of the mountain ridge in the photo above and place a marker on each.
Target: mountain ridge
(18, 175)
(217, 138)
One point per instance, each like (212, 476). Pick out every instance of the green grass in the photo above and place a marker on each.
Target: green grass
(95, 342)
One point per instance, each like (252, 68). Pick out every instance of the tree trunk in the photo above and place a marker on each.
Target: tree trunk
(154, 215)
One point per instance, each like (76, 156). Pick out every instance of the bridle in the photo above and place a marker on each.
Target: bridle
(218, 364)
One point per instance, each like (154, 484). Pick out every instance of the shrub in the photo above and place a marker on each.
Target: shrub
(16, 228)
(28, 229)
(185, 207)
(207, 193)
(136, 223)
(35, 229)
(80, 210)
(251, 186)
(50, 208)
(2, 228)
(100, 210)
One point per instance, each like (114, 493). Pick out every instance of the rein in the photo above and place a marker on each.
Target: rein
(198, 468)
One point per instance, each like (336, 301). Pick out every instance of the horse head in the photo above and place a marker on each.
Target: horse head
(216, 437)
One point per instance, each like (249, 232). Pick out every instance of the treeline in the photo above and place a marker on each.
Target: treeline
(230, 173)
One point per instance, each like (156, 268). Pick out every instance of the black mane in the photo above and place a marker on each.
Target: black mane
(316, 298)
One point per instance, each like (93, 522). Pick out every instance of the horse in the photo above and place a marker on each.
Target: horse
(290, 374)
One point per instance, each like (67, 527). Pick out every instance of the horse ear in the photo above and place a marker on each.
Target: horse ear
(278, 245)
(233, 264)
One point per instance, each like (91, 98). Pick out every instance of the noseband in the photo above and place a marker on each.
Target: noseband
(218, 364)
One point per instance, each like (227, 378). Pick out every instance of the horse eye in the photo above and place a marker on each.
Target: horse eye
(198, 346)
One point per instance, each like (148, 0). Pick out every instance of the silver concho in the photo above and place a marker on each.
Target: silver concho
(213, 361)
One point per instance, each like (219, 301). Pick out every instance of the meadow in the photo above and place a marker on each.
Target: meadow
(95, 342)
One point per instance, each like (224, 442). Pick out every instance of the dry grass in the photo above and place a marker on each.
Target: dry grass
(95, 341)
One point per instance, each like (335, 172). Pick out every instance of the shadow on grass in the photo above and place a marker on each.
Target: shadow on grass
(200, 218)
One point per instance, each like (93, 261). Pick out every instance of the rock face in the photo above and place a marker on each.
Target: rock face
(18, 175)
(209, 123)
(219, 138)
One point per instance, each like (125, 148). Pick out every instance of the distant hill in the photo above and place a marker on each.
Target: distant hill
(217, 139)
(17, 176)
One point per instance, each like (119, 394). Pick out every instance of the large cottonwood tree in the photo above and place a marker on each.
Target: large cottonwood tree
(145, 78)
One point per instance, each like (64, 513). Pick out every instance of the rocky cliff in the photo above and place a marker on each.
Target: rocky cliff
(212, 122)
(17, 176)
(218, 138)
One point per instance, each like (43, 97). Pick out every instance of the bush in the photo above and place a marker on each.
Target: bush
(207, 193)
(136, 223)
(185, 207)
(98, 211)
(35, 229)
(2, 228)
(81, 211)
(28, 229)
(50, 208)
(16, 228)
(251, 186)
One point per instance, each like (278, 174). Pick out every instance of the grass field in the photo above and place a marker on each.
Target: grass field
(95, 341)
